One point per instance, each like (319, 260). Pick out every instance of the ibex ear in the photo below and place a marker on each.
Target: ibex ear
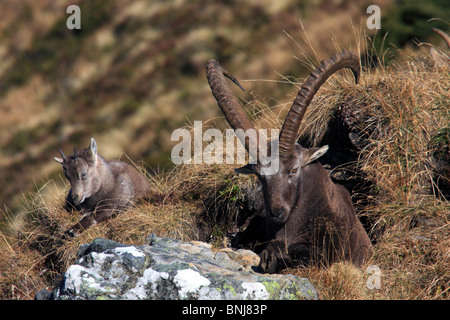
(247, 169)
(93, 148)
(314, 153)
(59, 160)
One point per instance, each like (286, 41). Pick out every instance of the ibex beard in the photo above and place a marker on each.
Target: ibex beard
(100, 188)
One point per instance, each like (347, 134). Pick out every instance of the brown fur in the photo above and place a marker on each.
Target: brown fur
(307, 219)
(100, 188)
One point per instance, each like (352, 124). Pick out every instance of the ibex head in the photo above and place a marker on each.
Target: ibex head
(81, 171)
(282, 189)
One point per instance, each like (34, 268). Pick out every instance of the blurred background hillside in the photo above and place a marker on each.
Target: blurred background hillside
(135, 71)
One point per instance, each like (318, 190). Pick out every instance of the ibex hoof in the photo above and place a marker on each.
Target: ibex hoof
(269, 262)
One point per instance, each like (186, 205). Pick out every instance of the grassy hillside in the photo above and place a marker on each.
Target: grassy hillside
(135, 72)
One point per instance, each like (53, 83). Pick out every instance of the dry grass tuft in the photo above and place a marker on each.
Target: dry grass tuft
(341, 281)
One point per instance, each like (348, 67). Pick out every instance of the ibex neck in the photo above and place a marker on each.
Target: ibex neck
(106, 176)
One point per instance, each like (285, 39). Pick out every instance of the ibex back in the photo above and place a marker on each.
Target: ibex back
(99, 187)
(306, 217)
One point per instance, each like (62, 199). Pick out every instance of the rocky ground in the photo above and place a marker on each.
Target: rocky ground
(172, 269)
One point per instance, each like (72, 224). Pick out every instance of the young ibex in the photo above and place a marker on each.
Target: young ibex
(306, 218)
(99, 187)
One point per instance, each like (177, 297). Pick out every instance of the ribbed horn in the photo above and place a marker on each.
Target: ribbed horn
(75, 154)
(228, 103)
(337, 61)
(444, 36)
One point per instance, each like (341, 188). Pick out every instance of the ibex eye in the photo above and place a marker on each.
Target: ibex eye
(293, 172)
(83, 175)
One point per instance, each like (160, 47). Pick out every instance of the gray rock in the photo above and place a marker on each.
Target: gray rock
(98, 245)
(172, 269)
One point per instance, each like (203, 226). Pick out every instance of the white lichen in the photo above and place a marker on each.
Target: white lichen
(255, 290)
(189, 281)
(148, 280)
(131, 250)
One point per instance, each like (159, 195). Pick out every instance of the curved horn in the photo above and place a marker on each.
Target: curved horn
(75, 154)
(227, 102)
(444, 36)
(288, 134)
(62, 155)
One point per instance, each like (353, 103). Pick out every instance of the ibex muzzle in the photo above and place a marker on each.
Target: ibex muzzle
(300, 200)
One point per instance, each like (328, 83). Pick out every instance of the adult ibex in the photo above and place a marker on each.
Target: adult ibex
(99, 187)
(307, 219)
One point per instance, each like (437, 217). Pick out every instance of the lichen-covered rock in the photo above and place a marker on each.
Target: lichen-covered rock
(171, 269)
